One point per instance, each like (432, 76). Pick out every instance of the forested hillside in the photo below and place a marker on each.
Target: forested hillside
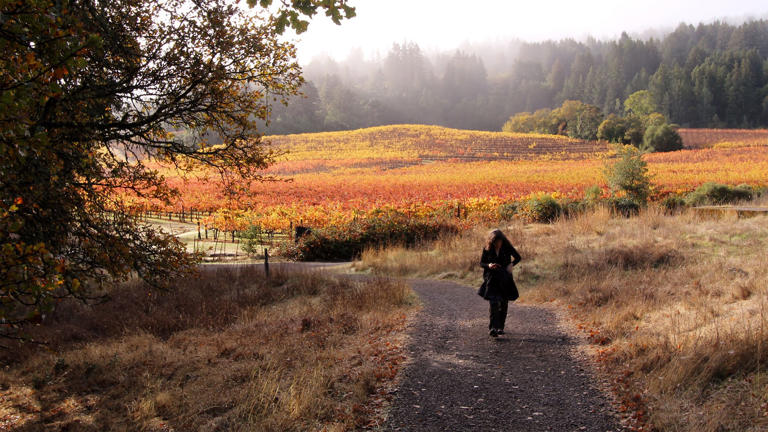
(709, 75)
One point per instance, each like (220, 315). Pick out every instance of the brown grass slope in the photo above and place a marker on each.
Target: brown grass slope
(676, 307)
(226, 351)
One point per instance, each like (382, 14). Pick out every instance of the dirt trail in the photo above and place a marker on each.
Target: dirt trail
(460, 379)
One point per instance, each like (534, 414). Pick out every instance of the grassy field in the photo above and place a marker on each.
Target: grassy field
(675, 307)
(227, 350)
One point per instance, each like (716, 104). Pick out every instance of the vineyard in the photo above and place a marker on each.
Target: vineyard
(427, 172)
(708, 138)
(431, 142)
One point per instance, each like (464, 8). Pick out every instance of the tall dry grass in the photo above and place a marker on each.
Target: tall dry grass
(227, 351)
(761, 201)
(453, 257)
(676, 307)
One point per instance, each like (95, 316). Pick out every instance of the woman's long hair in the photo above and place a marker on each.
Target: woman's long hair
(497, 235)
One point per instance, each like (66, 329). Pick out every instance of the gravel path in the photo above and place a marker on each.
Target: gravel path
(460, 379)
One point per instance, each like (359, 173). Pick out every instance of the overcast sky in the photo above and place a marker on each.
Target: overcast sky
(446, 24)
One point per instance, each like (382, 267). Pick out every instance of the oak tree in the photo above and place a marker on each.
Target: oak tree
(91, 92)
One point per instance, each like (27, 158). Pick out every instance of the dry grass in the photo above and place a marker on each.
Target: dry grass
(760, 201)
(452, 257)
(676, 306)
(226, 351)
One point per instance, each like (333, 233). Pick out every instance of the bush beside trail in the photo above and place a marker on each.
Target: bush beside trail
(715, 193)
(542, 209)
(348, 241)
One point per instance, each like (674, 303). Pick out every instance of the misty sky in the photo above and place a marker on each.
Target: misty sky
(447, 24)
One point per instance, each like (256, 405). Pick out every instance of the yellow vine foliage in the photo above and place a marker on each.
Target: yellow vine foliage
(430, 171)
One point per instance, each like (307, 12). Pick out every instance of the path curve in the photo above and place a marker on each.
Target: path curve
(460, 379)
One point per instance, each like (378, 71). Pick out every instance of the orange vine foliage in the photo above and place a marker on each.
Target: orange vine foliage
(410, 169)
(431, 142)
(706, 138)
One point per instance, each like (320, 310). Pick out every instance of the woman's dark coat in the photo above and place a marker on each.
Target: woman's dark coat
(498, 284)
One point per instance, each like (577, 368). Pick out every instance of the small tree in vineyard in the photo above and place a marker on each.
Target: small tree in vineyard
(630, 174)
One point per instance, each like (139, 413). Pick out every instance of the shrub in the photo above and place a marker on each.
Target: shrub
(543, 121)
(654, 119)
(522, 122)
(573, 208)
(624, 206)
(541, 209)
(252, 240)
(662, 138)
(635, 130)
(612, 129)
(347, 242)
(508, 211)
(673, 204)
(573, 118)
(630, 175)
(593, 195)
(715, 193)
(582, 120)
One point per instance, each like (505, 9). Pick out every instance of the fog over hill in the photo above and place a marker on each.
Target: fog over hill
(705, 75)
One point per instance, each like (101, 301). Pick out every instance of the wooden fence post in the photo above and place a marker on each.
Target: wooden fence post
(266, 261)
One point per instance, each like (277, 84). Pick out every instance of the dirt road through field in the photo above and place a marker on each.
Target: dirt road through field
(460, 379)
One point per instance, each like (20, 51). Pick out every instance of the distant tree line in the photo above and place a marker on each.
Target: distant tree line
(640, 125)
(710, 75)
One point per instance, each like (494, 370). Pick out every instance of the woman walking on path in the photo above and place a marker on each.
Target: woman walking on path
(498, 285)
